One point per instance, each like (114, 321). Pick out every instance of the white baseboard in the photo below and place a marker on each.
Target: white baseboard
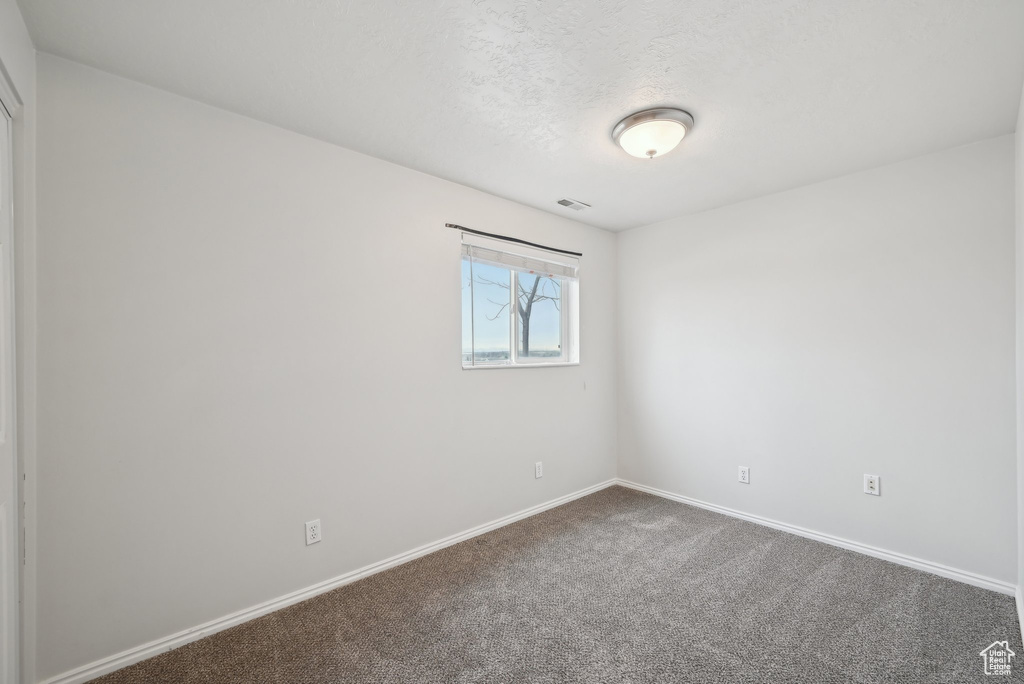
(1020, 610)
(158, 646)
(891, 556)
(153, 648)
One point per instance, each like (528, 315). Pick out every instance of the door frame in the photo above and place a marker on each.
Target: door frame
(11, 107)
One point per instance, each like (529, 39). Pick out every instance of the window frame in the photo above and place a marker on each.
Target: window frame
(568, 323)
(565, 343)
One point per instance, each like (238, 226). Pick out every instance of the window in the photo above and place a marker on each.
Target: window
(519, 305)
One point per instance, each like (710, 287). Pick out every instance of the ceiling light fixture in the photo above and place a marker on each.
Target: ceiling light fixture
(652, 132)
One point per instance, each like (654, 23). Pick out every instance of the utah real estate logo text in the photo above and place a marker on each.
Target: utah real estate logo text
(997, 658)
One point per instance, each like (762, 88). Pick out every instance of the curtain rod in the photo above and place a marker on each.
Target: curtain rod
(511, 239)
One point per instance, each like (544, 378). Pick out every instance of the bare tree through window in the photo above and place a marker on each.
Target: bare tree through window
(529, 295)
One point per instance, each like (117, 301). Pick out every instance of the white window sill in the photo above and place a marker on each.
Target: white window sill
(497, 366)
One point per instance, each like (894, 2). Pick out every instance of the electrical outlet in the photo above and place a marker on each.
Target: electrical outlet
(873, 485)
(538, 469)
(744, 474)
(313, 532)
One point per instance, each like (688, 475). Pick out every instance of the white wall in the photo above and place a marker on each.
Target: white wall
(241, 329)
(18, 57)
(860, 325)
(16, 51)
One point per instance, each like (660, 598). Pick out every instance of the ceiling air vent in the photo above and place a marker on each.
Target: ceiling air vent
(573, 204)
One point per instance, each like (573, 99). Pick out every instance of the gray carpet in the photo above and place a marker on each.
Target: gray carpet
(618, 586)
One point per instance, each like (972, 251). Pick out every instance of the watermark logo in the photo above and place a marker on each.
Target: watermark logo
(997, 658)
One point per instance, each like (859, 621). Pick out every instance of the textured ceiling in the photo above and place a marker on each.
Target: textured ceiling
(519, 98)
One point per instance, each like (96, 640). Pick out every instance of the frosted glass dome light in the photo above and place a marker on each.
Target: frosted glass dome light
(652, 132)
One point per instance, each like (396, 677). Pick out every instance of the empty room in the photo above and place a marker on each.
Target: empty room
(514, 342)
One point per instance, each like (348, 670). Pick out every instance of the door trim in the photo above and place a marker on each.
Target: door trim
(11, 108)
